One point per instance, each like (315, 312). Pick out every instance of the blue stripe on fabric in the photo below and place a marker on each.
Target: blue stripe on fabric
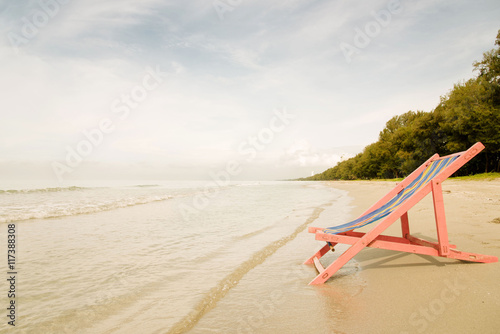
(419, 182)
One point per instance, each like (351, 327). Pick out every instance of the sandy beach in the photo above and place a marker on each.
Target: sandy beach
(407, 293)
(118, 258)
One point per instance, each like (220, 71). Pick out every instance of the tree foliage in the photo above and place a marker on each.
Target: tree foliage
(469, 113)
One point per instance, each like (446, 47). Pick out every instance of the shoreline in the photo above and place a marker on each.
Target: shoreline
(410, 293)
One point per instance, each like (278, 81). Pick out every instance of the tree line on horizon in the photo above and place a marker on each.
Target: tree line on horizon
(469, 113)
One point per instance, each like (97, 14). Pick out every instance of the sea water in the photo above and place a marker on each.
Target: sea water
(171, 257)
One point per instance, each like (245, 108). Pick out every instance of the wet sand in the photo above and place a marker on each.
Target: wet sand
(409, 293)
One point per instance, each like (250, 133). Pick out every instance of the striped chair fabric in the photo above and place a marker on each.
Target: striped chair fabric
(420, 181)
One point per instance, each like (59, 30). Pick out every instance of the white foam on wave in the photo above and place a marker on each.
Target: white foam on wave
(41, 190)
(73, 209)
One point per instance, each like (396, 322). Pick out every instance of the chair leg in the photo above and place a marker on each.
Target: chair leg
(405, 226)
(471, 257)
(442, 231)
(319, 253)
(362, 243)
(339, 262)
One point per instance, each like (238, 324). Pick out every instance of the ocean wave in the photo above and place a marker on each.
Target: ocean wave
(42, 190)
(248, 184)
(73, 209)
(146, 185)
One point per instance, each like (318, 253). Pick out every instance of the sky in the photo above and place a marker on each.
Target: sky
(220, 89)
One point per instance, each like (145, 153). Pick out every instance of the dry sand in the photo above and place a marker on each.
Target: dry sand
(409, 293)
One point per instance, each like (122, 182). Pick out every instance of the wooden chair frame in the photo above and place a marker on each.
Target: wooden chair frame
(406, 243)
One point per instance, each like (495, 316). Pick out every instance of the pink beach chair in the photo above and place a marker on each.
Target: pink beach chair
(393, 206)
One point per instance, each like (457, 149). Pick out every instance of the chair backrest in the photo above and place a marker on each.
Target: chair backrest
(431, 171)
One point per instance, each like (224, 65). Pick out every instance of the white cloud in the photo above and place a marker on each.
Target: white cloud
(226, 77)
(302, 154)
